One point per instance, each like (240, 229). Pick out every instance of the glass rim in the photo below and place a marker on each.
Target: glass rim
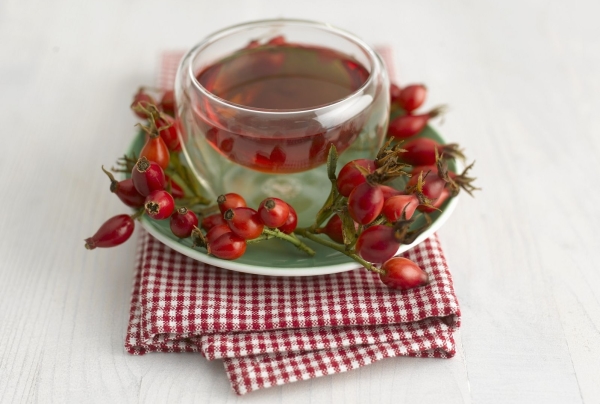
(190, 56)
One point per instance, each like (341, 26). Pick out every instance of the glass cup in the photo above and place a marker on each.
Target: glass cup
(270, 151)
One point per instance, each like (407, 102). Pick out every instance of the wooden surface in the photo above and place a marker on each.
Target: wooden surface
(523, 82)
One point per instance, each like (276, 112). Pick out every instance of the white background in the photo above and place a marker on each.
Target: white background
(522, 79)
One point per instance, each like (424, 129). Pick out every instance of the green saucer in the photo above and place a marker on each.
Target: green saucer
(278, 258)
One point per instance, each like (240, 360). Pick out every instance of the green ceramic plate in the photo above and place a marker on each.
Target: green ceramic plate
(277, 258)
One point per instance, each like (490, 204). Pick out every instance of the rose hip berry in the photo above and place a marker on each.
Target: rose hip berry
(228, 246)
(396, 206)
(422, 152)
(273, 212)
(353, 174)
(167, 102)
(141, 100)
(291, 222)
(365, 203)
(183, 222)
(444, 195)
(430, 185)
(402, 273)
(159, 204)
(230, 201)
(388, 191)
(176, 191)
(216, 232)
(244, 222)
(212, 220)
(125, 191)
(113, 232)
(156, 150)
(167, 128)
(405, 126)
(395, 92)
(334, 229)
(147, 176)
(377, 244)
(412, 97)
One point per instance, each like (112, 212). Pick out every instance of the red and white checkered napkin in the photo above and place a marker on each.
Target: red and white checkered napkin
(276, 330)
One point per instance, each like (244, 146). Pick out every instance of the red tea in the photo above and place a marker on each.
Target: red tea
(280, 78)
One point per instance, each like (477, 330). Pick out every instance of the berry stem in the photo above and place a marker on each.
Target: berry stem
(291, 238)
(186, 176)
(309, 235)
(139, 213)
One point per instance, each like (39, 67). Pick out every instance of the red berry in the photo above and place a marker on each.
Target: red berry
(113, 232)
(351, 175)
(402, 273)
(230, 201)
(159, 204)
(147, 176)
(216, 232)
(273, 212)
(394, 207)
(405, 126)
(432, 186)
(291, 222)
(212, 220)
(365, 203)
(412, 97)
(444, 195)
(167, 102)
(167, 128)
(126, 191)
(245, 222)
(228, 246)
(183, 222)
(377, 244)
(141, 99)
(176, 189)
(334, 229)
(394, 93)
(422, 151)
(388, 191)
(156, 150)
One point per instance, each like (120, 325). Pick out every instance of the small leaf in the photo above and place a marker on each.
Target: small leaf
(332, 159)
(348, 228)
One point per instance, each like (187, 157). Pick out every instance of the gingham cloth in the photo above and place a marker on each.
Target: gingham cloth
(271, 331)
(276, 330)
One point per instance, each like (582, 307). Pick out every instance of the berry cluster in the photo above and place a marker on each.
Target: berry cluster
(371, 209)
(371, 220)
(405, 123)
(229, 231)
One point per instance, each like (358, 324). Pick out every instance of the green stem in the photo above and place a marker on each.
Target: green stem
(291, 238)
(186, 176)
(309, 235)
(207, 211)
(326, 214)
(139, 213)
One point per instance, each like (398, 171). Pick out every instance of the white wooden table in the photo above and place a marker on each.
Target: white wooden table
(523, 82)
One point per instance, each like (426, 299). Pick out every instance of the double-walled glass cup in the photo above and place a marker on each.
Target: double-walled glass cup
(261, 152)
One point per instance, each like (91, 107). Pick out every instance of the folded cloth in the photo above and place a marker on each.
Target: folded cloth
(276, 330)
